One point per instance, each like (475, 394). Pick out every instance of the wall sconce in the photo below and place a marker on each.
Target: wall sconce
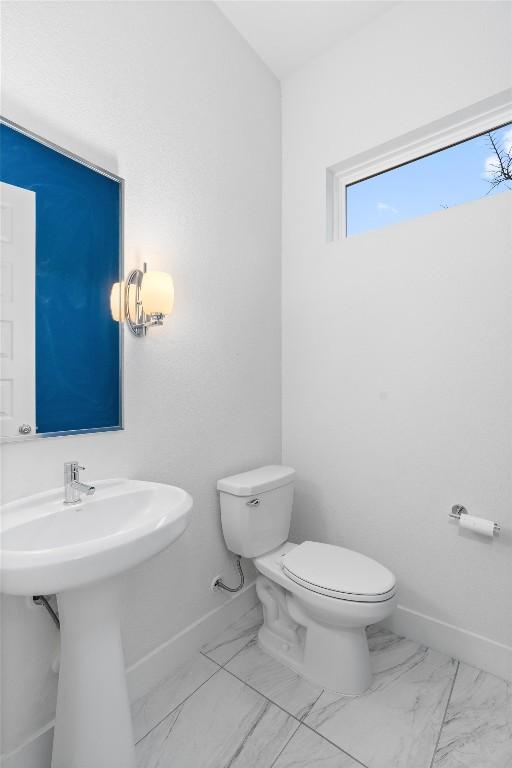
(143, 300)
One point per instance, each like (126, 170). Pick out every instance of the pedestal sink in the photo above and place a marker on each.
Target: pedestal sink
(80, 552)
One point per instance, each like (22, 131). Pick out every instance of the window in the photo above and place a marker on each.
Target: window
(460, 158)
(458, 174)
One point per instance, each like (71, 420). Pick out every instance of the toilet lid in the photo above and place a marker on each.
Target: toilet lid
(338, 572)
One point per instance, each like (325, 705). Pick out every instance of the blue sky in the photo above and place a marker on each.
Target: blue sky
(450, 177)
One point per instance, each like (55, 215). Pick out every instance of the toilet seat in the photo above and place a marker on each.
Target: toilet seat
(338, 572)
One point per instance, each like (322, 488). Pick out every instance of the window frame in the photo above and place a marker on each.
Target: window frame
(455, 128)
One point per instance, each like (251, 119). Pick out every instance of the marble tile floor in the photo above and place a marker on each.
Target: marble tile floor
(232, 706)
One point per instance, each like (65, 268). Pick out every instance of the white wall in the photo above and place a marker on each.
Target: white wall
(168, 96)
(397, 344)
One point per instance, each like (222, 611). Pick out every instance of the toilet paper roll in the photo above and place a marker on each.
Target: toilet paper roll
(477, 524)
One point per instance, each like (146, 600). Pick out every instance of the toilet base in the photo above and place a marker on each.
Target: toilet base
(337, 663)
(333, 655)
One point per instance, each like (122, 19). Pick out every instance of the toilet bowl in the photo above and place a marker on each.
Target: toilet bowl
(327, 644)
(317, 598)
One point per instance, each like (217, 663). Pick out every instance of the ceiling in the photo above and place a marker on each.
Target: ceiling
(288, 33)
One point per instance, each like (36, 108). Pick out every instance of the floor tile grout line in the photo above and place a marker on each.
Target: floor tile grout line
(252, 640)
(444, 715)
(221, 668)
(301, 722)
(344, 751)
(180, 704)
(261, 694)
(205, 655)
(295, 731)
(228, 661)
(256, 630)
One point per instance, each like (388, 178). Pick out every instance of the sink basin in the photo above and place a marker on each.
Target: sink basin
(48, 547)
(80, 553)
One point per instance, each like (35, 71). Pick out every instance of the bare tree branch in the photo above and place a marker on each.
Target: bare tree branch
(499, 171)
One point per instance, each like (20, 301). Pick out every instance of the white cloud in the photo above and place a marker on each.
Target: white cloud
(386, 207)
(490, 167)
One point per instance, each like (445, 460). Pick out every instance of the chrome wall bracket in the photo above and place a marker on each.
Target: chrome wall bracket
(457, 511)
(136, 319)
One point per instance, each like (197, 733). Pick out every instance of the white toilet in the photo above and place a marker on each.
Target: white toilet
(317, 598)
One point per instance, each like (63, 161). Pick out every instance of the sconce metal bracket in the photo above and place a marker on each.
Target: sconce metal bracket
(136, 319)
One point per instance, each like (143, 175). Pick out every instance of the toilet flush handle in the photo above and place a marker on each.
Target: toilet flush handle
(253, 502)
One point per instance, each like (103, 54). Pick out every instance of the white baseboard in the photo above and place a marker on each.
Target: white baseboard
(142, 676)
(160, 663)
(36, 752)
(473, 649)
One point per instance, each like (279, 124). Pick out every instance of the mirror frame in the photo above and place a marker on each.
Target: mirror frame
(121, 182)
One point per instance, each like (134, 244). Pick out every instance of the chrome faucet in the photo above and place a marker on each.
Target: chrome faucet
(72, 485)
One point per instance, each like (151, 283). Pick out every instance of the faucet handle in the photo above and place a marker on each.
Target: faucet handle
(72, 468)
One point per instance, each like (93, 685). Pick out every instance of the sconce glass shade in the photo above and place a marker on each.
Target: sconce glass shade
(117, 307)
(132, 300)
(157, 293)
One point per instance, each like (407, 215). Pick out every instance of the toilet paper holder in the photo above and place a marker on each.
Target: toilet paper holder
(458, 510)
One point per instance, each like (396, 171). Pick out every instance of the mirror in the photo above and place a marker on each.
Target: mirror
(61, 252)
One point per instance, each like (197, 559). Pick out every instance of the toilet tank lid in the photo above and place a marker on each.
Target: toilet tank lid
(257, 480)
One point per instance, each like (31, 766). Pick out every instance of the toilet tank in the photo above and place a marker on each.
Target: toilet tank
(256, 509)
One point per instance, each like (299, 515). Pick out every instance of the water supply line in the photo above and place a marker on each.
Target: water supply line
(42, 600)
(219, 584)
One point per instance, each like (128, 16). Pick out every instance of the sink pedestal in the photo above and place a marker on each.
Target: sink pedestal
(93, 727)
(80, 553)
